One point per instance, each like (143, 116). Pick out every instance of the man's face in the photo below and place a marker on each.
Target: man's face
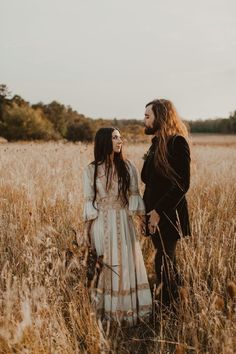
(149, 121)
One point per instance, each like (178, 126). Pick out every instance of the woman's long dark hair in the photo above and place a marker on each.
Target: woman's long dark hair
(102, 151)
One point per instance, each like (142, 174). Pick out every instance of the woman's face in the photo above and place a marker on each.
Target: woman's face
(116, 141)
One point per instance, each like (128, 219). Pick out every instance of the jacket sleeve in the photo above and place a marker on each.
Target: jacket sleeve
(181, 164)
(90, 212)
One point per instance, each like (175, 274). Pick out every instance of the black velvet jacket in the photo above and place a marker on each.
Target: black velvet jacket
(165, 196)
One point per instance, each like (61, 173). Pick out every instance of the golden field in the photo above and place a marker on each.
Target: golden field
(44, 306)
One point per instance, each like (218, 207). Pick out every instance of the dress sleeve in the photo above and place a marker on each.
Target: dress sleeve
(90, 212)
(136, 204)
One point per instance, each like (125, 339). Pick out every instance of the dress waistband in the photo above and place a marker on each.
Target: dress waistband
(110, 203)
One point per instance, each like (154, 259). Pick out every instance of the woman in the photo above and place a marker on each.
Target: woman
(111, 198)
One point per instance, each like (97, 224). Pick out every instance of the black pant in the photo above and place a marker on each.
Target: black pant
(165, 267)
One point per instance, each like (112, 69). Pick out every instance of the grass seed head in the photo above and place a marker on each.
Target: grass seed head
(231, 288)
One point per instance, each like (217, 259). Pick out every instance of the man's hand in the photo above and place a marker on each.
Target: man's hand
(142, 224)
(153, 221)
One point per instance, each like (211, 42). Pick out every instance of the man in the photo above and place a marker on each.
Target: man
(166, 174)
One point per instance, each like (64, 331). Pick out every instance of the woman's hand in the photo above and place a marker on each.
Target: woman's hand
(153, 221)
(87, 237)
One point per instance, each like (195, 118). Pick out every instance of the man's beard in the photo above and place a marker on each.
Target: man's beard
(149, 131)
(152, 130)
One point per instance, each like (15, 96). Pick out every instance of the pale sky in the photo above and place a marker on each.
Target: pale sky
(108, 58)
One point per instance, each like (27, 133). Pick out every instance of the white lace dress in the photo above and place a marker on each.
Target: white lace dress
(123, 294)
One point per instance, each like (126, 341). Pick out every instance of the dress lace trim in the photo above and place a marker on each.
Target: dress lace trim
(142, 310)
(116, 293)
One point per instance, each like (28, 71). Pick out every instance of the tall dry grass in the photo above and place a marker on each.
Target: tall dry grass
(44, 306)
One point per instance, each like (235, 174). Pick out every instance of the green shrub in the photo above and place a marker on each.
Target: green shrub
(25, 123)
(79, 131)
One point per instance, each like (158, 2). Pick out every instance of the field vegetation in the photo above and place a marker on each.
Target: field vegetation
(44, 305)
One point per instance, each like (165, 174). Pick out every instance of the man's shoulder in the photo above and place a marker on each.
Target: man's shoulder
(178, 146)
(176, 140)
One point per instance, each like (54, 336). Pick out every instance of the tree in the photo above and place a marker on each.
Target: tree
(56, 113)
(4, 98)
(232, 122)
(79, 130)
(4, 91)
(25, 123)
(19, 101)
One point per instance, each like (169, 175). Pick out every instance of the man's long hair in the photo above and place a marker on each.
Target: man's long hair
(102, 151)
(168, 124)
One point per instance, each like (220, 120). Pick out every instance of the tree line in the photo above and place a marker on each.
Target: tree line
(218, 125)
(20, 120)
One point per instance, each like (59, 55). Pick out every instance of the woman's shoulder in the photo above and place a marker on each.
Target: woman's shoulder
(89, 168)
(129, 163)
(131, 166)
